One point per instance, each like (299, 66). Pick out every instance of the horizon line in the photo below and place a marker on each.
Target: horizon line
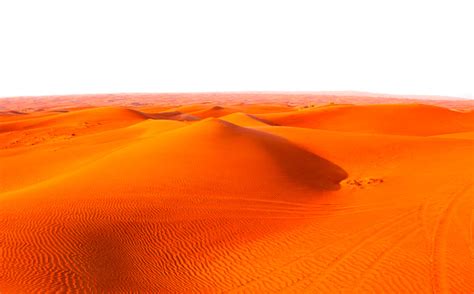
(260, 92)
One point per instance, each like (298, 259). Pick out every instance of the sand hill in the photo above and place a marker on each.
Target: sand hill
(415, 119)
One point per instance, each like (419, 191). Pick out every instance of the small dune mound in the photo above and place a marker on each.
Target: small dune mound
(244, 120)
(407, 119)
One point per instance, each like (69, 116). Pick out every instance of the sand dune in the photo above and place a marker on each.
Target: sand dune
(246, 198)
(380, 119)
(105, 115)
(212, 163)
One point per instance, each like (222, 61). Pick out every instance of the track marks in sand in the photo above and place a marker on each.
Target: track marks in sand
(310, 271)
(440, 242)
(341, 258)
(363, 276)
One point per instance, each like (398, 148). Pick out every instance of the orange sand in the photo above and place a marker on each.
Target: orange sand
(237, 197)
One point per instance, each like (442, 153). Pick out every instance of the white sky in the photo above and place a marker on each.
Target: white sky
(105, 46)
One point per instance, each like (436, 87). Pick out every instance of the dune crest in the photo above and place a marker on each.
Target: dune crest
(244, 120)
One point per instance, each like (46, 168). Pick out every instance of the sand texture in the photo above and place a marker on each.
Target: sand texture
(236, 197)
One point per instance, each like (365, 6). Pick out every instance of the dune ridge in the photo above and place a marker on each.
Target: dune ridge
(245, 120)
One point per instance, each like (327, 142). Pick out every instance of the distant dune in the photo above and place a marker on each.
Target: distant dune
(267, 101)
(211, 193)
(396, 119)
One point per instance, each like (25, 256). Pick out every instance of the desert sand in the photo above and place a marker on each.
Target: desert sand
(229, 195)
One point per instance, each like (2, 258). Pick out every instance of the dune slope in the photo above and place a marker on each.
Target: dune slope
(409, 119)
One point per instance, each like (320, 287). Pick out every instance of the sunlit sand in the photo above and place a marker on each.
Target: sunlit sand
(222, 194)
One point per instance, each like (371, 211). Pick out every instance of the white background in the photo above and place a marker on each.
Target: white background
(103, 46)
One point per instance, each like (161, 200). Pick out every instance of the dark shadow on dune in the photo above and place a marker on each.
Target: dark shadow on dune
(302, 166)
(260, 119)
